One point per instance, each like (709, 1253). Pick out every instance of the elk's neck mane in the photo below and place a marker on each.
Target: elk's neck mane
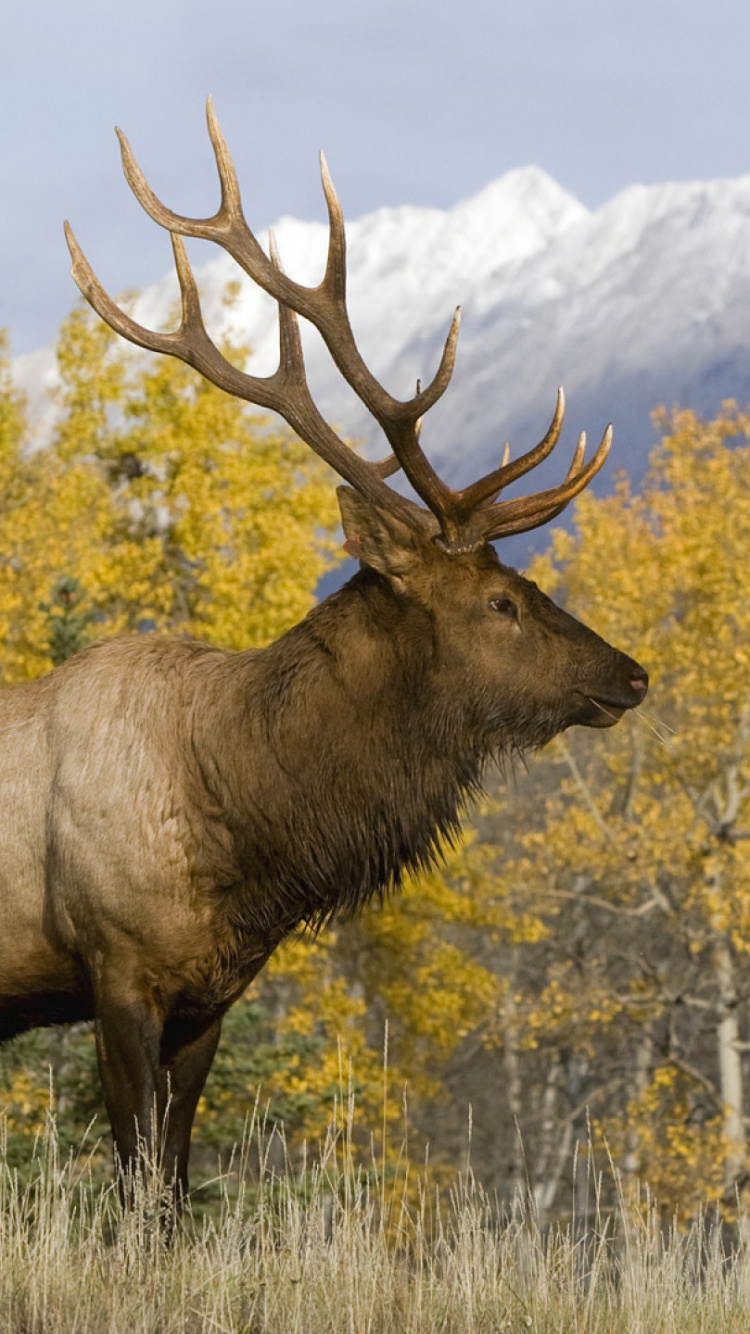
(363, 760)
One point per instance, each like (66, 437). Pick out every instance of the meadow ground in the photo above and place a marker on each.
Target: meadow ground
(343, 1249)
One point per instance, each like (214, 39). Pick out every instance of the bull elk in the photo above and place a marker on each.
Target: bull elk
(172, 811)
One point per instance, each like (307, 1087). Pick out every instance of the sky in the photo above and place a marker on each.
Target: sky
(414, 103)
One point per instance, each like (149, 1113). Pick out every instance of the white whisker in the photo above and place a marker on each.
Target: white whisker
(648, 721)
(645, 718)
(643, 714)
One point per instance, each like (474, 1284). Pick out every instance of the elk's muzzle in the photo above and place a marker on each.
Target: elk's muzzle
(608, 699)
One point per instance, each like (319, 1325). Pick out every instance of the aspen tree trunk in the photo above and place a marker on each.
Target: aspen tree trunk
(631, 1165)
(514, 1088)
(576, 1070)
(555, 1145)
(729, 798)
(730, 1066)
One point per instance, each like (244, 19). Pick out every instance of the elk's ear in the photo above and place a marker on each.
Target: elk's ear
(378, 539)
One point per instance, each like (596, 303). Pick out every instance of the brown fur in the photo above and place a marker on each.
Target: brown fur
(171, 811)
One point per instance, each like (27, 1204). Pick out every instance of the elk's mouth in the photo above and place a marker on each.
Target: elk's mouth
(604, 713)
(595, 711)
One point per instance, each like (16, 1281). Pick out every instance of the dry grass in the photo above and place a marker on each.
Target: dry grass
(338, 1248)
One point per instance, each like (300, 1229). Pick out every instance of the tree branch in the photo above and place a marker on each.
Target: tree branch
(582, 786)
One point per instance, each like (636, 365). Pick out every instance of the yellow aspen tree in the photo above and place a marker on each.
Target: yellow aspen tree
(640, 862)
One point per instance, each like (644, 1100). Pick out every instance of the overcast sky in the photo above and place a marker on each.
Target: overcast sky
(413, 102)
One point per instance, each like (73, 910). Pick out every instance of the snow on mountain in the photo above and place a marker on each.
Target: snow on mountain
(646, 300)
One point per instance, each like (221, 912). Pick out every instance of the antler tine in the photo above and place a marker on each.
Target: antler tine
(580, 454)
(426, 398)
(230, 189)
(291, 356)
(190, 342)
(489, 487)
(116, 318)
(505, 460)
(334, 285)
(518, 516)
(335, 275)
(227, 227)
(203, 228)
(388, 466)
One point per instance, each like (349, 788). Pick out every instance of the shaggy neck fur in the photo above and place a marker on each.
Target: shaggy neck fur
(368, 759)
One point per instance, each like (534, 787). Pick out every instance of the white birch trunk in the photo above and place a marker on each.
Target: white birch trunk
(730, 1066)
(631, 1165)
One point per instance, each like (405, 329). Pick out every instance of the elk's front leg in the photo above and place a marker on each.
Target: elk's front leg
(128, 1039)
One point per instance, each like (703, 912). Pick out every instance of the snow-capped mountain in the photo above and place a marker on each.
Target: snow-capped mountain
(643, 301)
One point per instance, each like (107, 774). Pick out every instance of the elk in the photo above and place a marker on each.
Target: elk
(172, 811)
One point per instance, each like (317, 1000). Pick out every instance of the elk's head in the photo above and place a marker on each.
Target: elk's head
(522, 667)
(534, 669)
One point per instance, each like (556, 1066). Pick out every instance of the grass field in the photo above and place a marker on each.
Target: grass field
(338, 1248)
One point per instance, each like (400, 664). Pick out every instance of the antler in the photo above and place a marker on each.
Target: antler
(460, 520)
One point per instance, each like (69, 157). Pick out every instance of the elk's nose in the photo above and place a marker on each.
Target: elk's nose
(639, 681)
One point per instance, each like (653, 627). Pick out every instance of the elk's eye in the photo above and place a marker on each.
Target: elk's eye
(505, 607)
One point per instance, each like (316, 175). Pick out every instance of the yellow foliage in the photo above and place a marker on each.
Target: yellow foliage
(167, 503)
(682, 1159)
(642, 855)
